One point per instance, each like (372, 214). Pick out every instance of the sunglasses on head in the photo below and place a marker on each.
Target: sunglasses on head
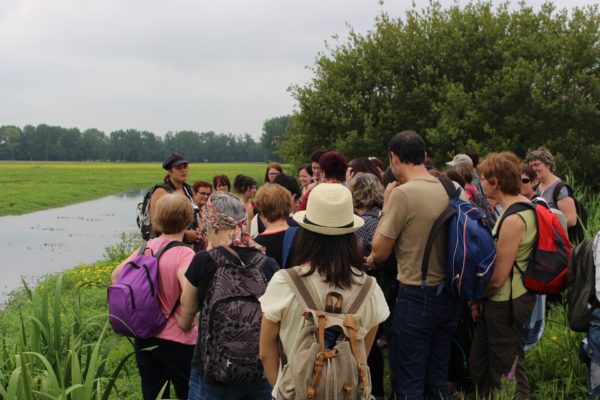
(525, 180)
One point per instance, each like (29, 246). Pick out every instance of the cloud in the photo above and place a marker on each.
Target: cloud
(165, 65)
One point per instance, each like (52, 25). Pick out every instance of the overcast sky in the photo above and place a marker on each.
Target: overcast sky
(168, 65)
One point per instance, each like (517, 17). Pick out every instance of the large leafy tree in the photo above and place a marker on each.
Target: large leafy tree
(476, 77)
(273, 135)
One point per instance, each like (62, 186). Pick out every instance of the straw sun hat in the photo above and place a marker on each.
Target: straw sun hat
(329, 211)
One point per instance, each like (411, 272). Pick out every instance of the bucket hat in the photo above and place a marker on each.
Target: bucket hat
(329, 211)
(174, 160)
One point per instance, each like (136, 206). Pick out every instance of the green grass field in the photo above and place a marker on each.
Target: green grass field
(34, 186)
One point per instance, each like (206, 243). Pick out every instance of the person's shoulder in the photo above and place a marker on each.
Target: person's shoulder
(270, 267)
(202, 256)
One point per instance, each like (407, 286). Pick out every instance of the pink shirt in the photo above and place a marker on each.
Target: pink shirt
(169, 289)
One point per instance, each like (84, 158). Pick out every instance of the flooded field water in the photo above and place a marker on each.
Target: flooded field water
(43, 242)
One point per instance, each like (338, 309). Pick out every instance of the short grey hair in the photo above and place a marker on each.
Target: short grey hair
(367, 190)
(228, 204)
(542, 154)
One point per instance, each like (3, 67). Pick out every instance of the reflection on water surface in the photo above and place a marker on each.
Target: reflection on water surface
(50, 241)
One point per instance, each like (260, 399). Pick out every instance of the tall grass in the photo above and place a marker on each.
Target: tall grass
(57, 356)
(55, 342)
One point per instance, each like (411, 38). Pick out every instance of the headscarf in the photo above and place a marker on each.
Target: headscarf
(238, 232)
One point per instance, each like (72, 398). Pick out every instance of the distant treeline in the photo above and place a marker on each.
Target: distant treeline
(55, 143)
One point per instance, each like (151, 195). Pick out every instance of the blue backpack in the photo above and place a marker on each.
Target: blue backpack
(471, 253)
(288, 239)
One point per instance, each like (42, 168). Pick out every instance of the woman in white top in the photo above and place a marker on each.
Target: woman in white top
(329, 259)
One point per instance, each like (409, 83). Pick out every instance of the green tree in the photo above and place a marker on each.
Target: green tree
(10, 140)
(95, 144)
(476, 77)
(273, 134)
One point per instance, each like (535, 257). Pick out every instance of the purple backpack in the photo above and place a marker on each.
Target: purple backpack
(133, 306)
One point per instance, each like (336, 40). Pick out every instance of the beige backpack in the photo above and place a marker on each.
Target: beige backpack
(328, 359)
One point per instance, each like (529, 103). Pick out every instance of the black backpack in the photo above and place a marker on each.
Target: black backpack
(143, 218)
(576, 233)
(144, 222)
(229, 327)
(581, 289)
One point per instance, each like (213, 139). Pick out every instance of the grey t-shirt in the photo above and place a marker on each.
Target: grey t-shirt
(547, 194)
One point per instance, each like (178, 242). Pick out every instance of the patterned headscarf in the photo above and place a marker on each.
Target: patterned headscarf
(238, 232)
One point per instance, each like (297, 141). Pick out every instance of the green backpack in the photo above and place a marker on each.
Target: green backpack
(581, 286)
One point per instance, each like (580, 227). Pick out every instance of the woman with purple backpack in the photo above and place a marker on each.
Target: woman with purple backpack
(169, 361)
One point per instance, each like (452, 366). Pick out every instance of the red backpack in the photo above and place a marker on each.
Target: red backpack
(546, 272)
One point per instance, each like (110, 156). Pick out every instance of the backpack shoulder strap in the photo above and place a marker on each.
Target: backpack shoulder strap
(142, 249)
(188, 191)
(513, 209)
(159, 253)
(170, 245)
(439, 223)
(161, 186)
(300, 288)
(288, 239)
(228, 250)
(362, 295)
(557, 190)
(448, 185)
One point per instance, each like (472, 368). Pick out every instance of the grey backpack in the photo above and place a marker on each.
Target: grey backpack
(581, 291)
(328, 359)
(230, 320)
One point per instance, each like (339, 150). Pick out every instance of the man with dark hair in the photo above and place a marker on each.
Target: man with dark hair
(314, 163)
(425, 317)
(333, 166)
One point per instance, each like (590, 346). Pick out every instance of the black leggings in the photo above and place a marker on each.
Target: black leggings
(169, 361)
(375, 363)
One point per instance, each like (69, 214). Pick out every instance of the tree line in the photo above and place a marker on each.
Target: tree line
(55, 143)
(474, 77)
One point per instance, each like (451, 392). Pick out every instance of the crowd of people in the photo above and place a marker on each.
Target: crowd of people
(266, 256)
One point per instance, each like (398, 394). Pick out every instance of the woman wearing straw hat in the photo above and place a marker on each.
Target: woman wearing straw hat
(328, 260)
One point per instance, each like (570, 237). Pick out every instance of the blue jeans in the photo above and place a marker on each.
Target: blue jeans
(199, 390)
(593, 337)
(423, 324)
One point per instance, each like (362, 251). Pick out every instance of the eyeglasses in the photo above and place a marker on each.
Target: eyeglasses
(525, 180)
(181, 166)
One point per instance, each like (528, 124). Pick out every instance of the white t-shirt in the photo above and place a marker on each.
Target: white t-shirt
(279, 304)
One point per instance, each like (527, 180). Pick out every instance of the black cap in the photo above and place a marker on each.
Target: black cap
(174, 160)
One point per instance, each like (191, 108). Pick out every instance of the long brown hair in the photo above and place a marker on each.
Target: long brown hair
(332, 256)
